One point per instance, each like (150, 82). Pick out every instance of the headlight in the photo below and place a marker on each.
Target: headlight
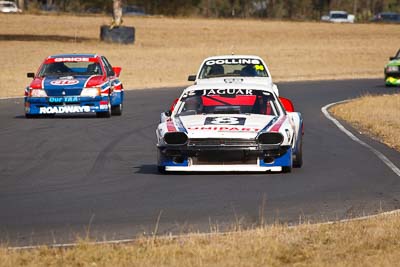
(392, 68)
(94, 91)
(270, 138)
(176, 138)
(37, 93)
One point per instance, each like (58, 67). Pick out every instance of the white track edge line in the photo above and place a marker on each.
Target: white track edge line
(382, 157)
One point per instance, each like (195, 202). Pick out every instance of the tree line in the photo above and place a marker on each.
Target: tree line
(273, 9)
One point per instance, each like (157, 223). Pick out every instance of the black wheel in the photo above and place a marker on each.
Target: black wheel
(298, 156)
(286, 169)
(161, 169)
(116, 110)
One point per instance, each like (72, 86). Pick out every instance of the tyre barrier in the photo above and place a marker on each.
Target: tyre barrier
(121, 34)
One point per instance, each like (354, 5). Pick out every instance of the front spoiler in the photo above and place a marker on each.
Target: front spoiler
(392, 80)
(223, 168)
(256, 150)
(43, 106)
(221, 159)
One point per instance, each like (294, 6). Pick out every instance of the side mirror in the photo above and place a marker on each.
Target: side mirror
(117, 71)
(287, 104)
(30, 75)
(192, 78)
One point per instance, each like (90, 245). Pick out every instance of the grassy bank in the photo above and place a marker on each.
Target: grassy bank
(377, 116)
(373, 242)
(168, 49)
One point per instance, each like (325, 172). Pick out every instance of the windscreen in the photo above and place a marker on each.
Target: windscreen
(242, 67)
(228, 101)
(339, 15)
(64, 67)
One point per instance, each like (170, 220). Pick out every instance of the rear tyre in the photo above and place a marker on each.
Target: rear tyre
(116, 110)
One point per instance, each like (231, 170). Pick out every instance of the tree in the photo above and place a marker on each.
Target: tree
(21, 4)
(117, 13)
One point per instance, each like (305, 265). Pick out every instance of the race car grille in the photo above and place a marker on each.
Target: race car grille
(224, 157)
(221, 142)
(64, 92)
(393, 74)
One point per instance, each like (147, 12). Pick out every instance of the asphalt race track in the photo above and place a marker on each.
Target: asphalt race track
(65, 177)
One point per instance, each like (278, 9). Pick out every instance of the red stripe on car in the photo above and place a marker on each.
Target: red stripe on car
(278, 124)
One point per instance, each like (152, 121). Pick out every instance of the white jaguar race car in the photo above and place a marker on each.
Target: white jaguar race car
(234, 69)
(230, 127)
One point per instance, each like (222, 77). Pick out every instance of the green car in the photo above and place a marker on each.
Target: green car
(392, 71)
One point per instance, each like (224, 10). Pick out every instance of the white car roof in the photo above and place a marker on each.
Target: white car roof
(338, 12)
(233, 56)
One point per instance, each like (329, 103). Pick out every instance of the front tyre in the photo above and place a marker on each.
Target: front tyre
(116, 110)
(298, 156)
(161, 169)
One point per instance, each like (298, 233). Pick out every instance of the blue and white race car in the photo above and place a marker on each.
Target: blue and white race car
(230, 127)
(74, 83)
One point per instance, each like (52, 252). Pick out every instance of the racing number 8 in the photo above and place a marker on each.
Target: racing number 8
(225, 120)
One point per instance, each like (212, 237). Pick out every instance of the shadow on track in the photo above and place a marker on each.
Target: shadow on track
(43, 38)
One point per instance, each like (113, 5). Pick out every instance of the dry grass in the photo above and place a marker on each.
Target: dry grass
(378, 116)
(373, 242)
(168, 49)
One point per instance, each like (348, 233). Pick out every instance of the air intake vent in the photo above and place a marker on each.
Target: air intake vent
(177, 138)
(270, 138)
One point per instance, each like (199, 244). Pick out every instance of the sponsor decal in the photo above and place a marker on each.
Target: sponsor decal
(223, 129)
(228, 92)
(278, 124)
(71, 59)
(170, 126)
(233, 61)
(64, 82)
(64, 109)
(259, 67)
(63, 99)
(224, 121)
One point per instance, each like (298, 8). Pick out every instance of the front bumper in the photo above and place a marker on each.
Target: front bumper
(392, 78)
(220, 158)
(66, 105)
